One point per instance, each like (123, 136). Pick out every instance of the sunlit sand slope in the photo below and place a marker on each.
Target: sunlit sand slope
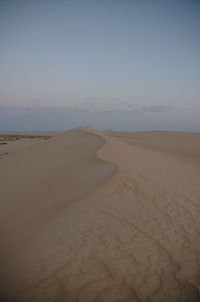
(134, 238)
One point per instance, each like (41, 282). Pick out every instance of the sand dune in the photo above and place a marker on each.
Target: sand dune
(119, 225)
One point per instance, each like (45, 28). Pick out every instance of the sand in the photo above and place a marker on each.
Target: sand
(11, 142)
(102, 216)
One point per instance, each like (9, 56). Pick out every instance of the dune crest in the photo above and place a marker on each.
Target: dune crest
(133, 237)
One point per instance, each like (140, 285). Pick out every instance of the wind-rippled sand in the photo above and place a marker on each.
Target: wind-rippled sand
(119, 225)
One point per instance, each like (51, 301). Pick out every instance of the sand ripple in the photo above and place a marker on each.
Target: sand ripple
(136, 238)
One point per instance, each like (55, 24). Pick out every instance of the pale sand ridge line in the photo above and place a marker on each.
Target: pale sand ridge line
(134, 238)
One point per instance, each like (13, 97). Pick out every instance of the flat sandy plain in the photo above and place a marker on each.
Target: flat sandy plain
(89, 216)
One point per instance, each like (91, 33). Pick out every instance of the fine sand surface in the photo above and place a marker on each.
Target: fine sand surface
(102, 216)
(11, 142)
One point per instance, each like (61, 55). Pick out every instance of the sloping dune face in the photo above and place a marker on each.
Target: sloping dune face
(133, 238)
(37, 184)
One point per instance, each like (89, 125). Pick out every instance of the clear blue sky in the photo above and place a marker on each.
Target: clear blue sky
(134, 59)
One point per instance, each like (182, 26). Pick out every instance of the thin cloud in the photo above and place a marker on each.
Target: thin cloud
(97, 107)
(157, 108)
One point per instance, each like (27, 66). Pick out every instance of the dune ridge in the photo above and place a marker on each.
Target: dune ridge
(133, 237)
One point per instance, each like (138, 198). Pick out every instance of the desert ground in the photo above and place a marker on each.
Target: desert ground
(90, 216)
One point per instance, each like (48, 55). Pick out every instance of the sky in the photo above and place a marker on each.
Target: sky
(122, 65)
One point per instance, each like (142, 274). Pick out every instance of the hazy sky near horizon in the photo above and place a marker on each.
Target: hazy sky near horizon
(116, 56)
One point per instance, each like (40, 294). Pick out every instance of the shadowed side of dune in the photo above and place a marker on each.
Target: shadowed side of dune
(39, 183)
(135, 238)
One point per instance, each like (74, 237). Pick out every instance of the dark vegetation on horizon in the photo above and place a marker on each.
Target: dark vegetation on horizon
(11, 137)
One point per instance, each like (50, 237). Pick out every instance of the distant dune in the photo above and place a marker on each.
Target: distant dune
(107, 216)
